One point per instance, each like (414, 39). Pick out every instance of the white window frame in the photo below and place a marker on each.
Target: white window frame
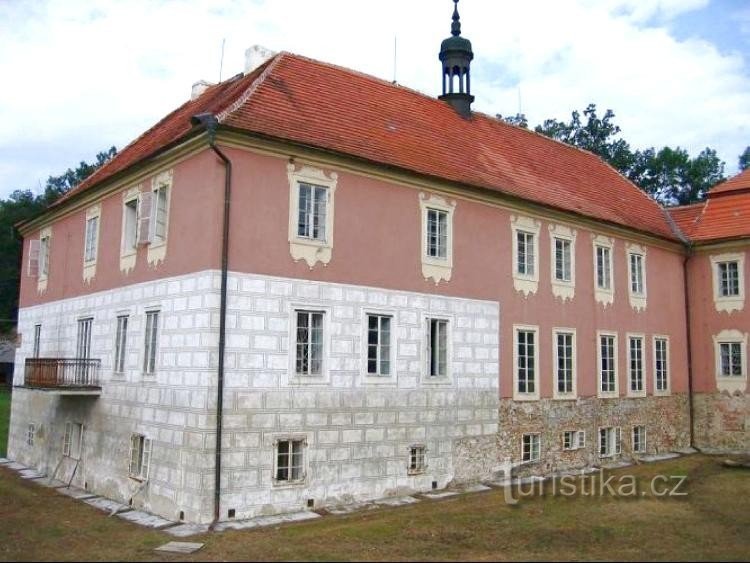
(656, 338)
(91, 241)
(440, 379)
(434, 267)
(728, 303)
(563, 289)
(129, 229)
(534, 454)
(311, 250)
(141, 445)
(732, 383)
(604, 295)
(638, 429)
(616, 392)
(157, 248)
(120, 361)
(526, 283)
(612, 436)
(518, 395)
(417, 459)
(68, 442)
(378, 378)
(150, 363)
(311, 379)
(289, 482)
(573, 440)
(644, 371)
(638, 299)
(574, 361)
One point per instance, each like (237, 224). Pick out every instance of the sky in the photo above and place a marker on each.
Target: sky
(77, 77)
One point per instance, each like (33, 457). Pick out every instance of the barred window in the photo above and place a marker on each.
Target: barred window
(289, 460)
(309, 355)
(378, 345)
(417, 459)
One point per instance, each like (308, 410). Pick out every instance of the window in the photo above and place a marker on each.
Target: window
(531, 448)
(603, 268)
(378, 345)
(150, 342)
(83, 346)
(563, 260)
(437, 347)
(30, 433)
(636, 274)
(607, 365)
(526, 362)
(44, 256)
(609, 442)
(729, 281)
(289, 460)
(417, 460)
(37, 340)
(309, 354)
(73, 440)
(525, 254)
(639, 439)
(574, 440)
(92, 232)
(121, 338)
(661, 364)
(636, 385)
(160, 208)
(731, 360)
(564, 358)
(140, 456)
(437, 237)
(130, 233)
(311, 208)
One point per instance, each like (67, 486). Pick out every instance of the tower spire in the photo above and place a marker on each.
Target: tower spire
(455, 58)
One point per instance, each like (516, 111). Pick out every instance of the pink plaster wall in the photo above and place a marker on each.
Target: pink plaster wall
(706, 321)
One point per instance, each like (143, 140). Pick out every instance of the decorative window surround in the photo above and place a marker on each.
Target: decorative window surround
(91, 242)
(604, 294)
(731, 383)
(728, 303)
(45, 247)
(434, 267)
(665, 367)
(561, 288)
(447, 378)
(633, 363)
(161, 188)
(387, 379)
(532, 395)
(290, 461)
(310, 250)
(525, 283)
(323, 377)
(637, 255)
(129, 238)
(609, 394)
(557, 394)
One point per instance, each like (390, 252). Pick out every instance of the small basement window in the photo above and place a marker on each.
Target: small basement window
(417, 460)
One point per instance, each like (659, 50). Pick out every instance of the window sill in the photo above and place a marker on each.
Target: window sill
(564, 397)
(526, 397)
(636, 394)
(608, 395)
(279, 484)
(379, 380)
(729, 304)
(311, 251)
(525, 284)
(604, 296)
(563, 290)
(732, 384)
(437, 381)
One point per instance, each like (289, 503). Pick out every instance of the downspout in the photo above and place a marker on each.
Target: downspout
(689, 336)
(210, 123)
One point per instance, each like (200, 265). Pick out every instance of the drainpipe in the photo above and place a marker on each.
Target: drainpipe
(210, 123)
(689, 335)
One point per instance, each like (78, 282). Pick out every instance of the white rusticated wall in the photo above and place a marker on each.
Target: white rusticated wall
(358, 429)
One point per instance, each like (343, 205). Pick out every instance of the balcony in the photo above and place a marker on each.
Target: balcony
(63, 376)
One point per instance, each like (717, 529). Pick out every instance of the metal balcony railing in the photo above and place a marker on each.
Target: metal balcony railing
(62, 373)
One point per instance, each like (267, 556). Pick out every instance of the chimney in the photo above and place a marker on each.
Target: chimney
(256, 56)
(198, 88)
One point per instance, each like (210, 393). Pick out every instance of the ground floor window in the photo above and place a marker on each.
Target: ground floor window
(289, 460)
(140, 456)
(417, 459)
(30, 434)
(574, 440)
(639, 439)
(609, 441)
(73, 440)
(531, 448)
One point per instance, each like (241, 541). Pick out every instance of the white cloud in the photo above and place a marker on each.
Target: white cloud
(80, 76)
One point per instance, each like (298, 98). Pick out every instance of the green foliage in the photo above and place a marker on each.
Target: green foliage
(744, 161)
(23, 205)
(518, 120)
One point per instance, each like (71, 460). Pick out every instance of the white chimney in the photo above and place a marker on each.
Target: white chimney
(198, 88)
(256, 56)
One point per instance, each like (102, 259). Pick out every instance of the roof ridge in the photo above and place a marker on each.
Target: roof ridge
(270, 65)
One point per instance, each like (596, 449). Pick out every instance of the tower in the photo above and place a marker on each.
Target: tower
(456, 56)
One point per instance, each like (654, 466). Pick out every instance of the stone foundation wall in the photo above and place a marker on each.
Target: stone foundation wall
(665, 418)
(722, 422)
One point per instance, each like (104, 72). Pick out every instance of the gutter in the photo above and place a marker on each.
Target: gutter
(210, 123)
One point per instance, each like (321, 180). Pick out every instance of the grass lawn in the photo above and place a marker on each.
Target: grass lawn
(4, 420)
(711, 522)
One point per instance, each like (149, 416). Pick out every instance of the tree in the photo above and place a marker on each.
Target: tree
(518, 120)
(745, 159)
(23, 205)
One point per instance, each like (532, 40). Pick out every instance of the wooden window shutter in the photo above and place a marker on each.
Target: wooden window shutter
(146, 463)
(145, 203)
(34, 246)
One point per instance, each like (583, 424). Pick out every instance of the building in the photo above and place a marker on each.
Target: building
(308, 286)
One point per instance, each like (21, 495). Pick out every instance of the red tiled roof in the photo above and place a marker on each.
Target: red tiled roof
(317, 104)
(724, 215)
